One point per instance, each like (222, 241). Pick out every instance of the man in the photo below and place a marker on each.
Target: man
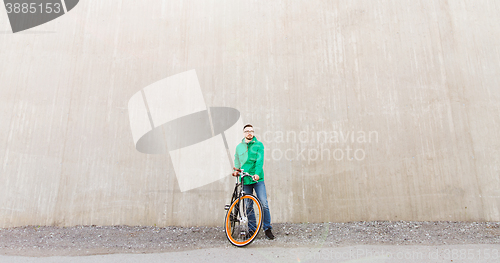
(249, 156)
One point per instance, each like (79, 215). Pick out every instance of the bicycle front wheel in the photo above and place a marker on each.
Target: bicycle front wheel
(243, 220)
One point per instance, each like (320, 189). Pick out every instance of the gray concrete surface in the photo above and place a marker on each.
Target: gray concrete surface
(421, 254)
(419, 76)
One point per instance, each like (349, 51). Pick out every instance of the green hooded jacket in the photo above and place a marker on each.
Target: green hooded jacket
(250, 158)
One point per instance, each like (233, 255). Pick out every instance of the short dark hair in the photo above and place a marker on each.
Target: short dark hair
(247, 125)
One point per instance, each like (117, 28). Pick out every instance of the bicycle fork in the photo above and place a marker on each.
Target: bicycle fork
(243, 219)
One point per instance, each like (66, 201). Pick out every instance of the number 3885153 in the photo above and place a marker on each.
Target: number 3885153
(33, 8)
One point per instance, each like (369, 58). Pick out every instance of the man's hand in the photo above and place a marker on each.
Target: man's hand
(256, 177)
(235, 173)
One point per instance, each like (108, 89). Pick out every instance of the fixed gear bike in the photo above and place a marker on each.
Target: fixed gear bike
(243, 219)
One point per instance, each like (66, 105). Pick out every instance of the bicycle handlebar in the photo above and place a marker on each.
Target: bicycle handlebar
(243, 174)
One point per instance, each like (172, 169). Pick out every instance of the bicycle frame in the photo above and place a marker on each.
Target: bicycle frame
(238, 211)
(239, 193)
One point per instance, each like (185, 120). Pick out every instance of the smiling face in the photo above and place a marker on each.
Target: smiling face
(248, 133)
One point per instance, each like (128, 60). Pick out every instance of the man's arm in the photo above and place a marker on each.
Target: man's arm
(259, 164)
(237, 164)
(236, 159)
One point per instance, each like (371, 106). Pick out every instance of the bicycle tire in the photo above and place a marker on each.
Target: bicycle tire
(240, 232)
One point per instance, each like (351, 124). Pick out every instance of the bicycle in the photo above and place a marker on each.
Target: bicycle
(243, 219)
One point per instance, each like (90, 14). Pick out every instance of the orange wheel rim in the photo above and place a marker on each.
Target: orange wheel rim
(228, 222)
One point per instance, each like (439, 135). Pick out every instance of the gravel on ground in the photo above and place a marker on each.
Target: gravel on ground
(42, 241)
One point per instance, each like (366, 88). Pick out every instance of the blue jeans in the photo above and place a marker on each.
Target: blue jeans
(260, 191)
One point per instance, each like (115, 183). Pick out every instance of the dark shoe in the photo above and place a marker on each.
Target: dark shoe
(269, 234)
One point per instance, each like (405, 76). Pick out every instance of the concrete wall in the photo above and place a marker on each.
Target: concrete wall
(416, 82)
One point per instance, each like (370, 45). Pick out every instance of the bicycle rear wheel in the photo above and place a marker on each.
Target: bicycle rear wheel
(243, 220)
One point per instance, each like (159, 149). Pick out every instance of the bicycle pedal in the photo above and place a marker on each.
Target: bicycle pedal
(226, 207)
